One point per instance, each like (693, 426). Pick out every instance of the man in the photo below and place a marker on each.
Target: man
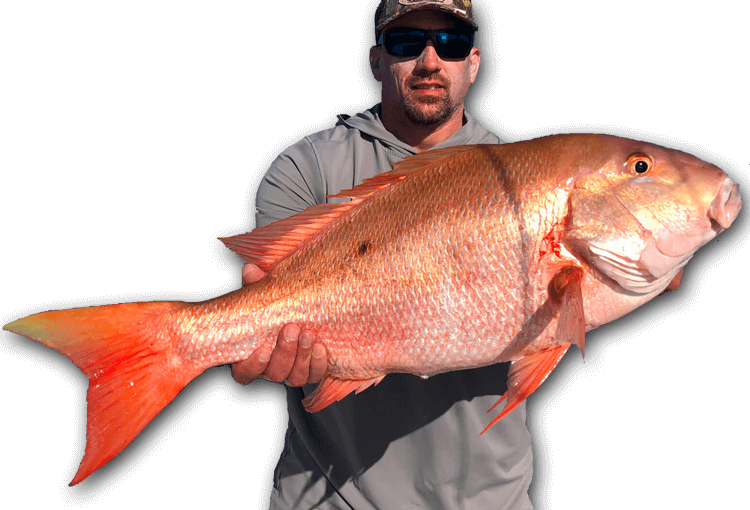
(407, 443)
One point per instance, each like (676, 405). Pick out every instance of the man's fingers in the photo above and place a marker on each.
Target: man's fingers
(251, 274)
(296, 359)
(318, 363)
(249, 369)
(301, 368)
(282, 359)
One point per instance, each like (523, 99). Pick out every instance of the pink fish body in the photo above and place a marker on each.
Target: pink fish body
(457, 258)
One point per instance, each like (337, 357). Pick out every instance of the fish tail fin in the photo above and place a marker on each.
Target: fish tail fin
(132, 368)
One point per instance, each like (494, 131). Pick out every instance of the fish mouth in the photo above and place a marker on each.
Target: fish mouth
(662, 253)
(719, 215)
(726, 206)
(666, 254)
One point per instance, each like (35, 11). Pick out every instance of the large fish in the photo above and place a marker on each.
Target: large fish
(457, 258)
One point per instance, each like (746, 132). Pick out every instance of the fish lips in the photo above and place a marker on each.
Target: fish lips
(726, 206)
(671, 242)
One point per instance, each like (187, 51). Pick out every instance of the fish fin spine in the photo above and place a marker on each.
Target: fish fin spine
(133, 373)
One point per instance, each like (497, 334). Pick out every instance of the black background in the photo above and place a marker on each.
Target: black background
(139, 136)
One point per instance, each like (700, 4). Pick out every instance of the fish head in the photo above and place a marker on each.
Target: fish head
(641, 215)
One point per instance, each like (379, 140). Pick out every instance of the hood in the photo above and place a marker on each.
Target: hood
(369, 123)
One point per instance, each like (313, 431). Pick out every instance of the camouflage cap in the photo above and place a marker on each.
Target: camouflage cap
(389, 10)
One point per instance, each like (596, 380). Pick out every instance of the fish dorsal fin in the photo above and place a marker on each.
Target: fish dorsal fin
(265, 246)
(268, 245)
(410, 164)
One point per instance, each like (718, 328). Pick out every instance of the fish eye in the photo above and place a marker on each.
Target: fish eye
(640, 163)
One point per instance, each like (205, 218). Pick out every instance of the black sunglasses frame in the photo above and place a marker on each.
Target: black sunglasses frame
(432, 35)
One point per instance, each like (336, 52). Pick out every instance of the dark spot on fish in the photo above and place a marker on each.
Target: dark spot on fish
(641, 167)
(363, 247)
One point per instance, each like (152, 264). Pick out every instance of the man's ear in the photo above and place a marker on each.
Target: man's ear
(475, 57)
(375, 56)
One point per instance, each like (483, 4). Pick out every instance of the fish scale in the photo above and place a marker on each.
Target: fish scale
(457, 258)
(355, 291)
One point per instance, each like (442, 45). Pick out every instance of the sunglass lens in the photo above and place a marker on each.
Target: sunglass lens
(405, 44)
(449, 44)
(453, 45)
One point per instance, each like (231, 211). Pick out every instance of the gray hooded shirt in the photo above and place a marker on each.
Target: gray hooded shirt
(407, 443)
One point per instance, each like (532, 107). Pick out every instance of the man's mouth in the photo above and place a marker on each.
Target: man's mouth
(427, 86)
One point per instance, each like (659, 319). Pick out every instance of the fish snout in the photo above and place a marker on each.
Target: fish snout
(726, 205)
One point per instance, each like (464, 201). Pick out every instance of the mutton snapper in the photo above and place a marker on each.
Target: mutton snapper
(457, 258)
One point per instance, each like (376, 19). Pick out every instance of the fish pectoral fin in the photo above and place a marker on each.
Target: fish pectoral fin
(526, 374)
(332, 390)
(565, 288)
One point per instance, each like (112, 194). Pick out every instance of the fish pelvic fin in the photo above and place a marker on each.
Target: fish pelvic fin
(526, 374)
(332, 390)
(132, 370)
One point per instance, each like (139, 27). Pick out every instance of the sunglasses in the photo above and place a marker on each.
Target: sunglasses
(450, 43)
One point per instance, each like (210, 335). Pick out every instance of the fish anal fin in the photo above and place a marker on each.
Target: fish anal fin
(565, 288)
(332, 390)
(526, 374)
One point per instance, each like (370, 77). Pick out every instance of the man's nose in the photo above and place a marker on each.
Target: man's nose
(428, 59)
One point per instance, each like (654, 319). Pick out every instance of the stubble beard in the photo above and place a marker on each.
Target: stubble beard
(428, 111)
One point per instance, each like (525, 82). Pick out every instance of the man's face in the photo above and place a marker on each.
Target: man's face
(426, 88)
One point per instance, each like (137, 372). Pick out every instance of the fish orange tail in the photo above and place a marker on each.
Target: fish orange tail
(132, 369)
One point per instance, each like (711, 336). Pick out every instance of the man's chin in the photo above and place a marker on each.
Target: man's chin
(427, 111)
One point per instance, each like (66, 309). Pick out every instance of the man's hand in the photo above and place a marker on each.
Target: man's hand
(297, 358)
